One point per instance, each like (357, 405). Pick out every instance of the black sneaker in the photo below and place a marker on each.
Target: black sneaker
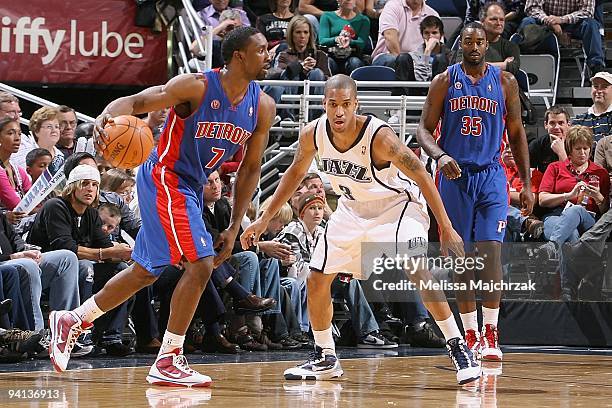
(289, 344)
(304, 339)
(21, 341)
(423, 336)
(321, 365)
(84, 346)
(376, 340)
(467, 368)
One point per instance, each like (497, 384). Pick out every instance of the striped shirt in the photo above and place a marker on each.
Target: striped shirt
(573, 10)
(600, 124)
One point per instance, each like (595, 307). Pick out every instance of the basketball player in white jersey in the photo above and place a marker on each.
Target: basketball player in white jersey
(363, 159)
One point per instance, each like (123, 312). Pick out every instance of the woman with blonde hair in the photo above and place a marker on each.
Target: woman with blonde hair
(118, 181)
(44, 126)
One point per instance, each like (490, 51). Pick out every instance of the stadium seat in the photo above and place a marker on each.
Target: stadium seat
(373, 73)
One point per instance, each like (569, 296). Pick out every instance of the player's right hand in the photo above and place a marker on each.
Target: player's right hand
(451, 241)
(250, 236)
(449, 167)
(99, 135)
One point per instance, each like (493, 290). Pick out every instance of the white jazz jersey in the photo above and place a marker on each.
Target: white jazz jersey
(352, 173)
(380, 212)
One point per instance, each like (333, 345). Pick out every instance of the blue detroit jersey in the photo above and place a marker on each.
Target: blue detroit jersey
(196, 146)
(473, 119)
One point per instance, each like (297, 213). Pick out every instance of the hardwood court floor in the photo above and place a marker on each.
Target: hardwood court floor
(528, 380)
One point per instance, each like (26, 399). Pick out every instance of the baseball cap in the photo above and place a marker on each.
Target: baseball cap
(606, 76)
(84, 172)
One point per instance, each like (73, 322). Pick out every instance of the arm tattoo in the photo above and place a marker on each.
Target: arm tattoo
(410, 161)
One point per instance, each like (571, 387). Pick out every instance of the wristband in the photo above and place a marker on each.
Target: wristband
(100, 254)
(440, 156)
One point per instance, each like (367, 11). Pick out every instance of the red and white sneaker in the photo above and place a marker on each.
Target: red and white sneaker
(171, 369)
(490, 350)
(472, 340)
(65, 326)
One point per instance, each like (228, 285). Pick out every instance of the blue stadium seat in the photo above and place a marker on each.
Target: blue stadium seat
(373, 73)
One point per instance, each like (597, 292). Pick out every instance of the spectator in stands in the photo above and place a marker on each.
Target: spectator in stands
(313, 9)
(103, 164)
(314, 185)
(501, 52)
(345, 32)
(549, 148)
(9, 106)
(37, 162)
(68, 123)
(223, 19)
(514, 13)
(274, 25)
(580, 182)
(373, 9)
(130, 223)
(44, 125)
(399, 30)
(54, 271)
(72, 222)
(155, 120)
(431, 58)
(302, 60)
(118, 181)
(10, 298)
(570, 18)
(599, 116)
(216, 214)
(295, 198)
(14, 181)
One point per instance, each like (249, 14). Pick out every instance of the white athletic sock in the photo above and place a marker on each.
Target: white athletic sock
(449, 328)
(469, 321)
(89, 310)
(324, 339)
(170, 342)
(490, 316)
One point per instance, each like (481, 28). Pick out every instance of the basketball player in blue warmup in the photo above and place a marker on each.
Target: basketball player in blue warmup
(375, 174)
(473, 104)
(211, 116)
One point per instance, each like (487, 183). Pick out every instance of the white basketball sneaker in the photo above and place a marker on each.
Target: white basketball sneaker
(171, 369)
(467, 368)
(321, 365)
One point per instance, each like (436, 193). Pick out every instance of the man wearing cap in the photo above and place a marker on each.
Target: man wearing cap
(599, 116)
(72, 222)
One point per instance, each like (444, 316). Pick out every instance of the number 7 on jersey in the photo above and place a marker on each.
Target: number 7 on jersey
(218, 155)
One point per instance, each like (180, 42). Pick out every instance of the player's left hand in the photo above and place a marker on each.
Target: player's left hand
(224, 245)
(527, 201)
(451, 241)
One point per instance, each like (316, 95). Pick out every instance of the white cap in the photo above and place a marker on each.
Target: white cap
(84, 172)
(606, 76)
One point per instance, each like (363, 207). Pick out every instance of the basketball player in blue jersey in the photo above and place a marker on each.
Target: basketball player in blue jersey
(474, 104)
(374, 173)
(211, 116)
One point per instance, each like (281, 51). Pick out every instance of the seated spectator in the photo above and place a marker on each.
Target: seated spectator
(599, 115)
(72, 222)
(102, 164)
(274, 25)
(44, 125)
(313, 9)
(14, 181)
(13, 313)
(576, 192)
(514, 13)
(373, 9)
(569, 18)
(118, 181)
(345, 33)
(501, 52)
(130, 222)
(223, 19)
(68, 123)
(9, 108)
(302, 60)
(399, 30)
(549, 148)
(37, 162)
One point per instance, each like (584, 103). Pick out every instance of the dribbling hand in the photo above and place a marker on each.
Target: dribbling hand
(449, 167)
(99, 135)
(527, 201)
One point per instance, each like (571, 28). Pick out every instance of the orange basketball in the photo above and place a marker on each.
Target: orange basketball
(129, 142)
